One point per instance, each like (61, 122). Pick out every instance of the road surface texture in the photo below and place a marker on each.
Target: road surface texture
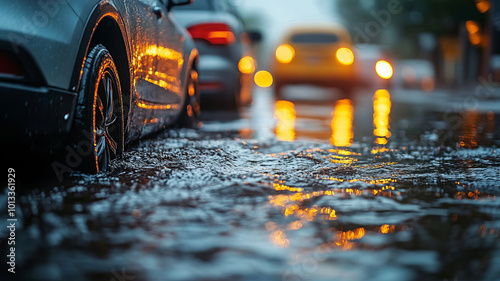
(382, 185)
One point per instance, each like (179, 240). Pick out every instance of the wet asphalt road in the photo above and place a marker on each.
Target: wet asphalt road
(398, 185)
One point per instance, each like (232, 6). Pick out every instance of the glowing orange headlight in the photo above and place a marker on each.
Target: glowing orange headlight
(345, 56)
(285, 53)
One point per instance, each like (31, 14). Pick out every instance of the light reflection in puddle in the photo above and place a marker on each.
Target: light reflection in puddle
(342, 133)
(285, 114)
(382, 109)
(353, 201)
(294, 202)
(470, 133)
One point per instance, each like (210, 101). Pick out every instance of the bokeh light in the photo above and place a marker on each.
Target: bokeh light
(263, 79)
(342, 131)
(247, 65)
(345, 56)
(285, 115)
(384, 69)
(285, 53)
(381, 116)
(483, 5)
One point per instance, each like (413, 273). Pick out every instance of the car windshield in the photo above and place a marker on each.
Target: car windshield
(196, 5)
(315, 38)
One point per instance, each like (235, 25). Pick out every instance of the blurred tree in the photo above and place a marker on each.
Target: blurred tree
(455, 35)
(402, 22)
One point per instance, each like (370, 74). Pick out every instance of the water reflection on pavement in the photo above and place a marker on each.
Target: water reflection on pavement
(377, 186)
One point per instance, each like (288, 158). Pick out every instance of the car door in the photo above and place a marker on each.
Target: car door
(170, 58)
(143, 25)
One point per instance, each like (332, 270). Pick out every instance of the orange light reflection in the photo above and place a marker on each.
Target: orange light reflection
(342, 132)
(165, 53)
(145, 105)
(293, 201)
(382, 109)
(285, 113)
(278, 238)
(469, 138)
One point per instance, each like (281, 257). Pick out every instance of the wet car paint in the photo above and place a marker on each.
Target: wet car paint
(220, 75)
(240, 201)
(58, 38)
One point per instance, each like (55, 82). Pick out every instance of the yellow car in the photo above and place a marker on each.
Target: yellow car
(322, 56)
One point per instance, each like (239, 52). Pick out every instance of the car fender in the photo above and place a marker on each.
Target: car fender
(192, 57)
(101, 10)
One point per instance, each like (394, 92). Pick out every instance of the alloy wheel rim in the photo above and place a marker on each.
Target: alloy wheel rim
(105, 118)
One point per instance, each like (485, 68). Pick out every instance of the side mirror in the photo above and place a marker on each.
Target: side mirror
(255, 36)
(172, 3)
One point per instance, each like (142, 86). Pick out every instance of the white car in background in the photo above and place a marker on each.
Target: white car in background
(415, 74)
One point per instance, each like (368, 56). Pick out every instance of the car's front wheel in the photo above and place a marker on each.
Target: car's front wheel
(98, 130)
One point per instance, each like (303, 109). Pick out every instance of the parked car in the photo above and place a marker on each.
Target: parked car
(88, 77)
(226, 64)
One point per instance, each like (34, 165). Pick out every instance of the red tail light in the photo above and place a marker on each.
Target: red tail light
(10, 66)
(214, 33)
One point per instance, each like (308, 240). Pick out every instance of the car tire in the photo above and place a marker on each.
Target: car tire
(98, 128)
(191, 110)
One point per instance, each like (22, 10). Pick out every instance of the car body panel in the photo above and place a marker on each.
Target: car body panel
(153, 102)
(220, 79)
(170, 65)
(59, 46)
(47, 33)
(45, 112)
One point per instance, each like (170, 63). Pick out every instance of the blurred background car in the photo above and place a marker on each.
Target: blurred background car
(415, 74)
(374, 65)
(316, 55)
(90, 81)
(226, 63)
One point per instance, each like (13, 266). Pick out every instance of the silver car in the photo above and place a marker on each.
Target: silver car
(226, 62)
(87, 77)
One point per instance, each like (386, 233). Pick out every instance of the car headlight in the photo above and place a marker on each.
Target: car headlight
(345, 56)
(285, 53)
